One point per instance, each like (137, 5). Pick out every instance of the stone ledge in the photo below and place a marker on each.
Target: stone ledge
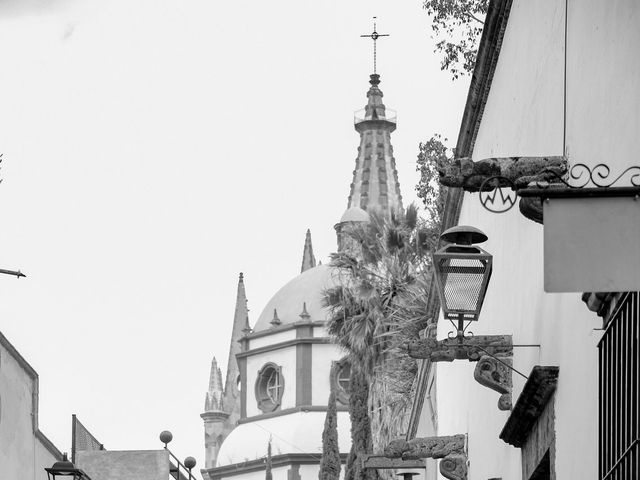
(530, 405)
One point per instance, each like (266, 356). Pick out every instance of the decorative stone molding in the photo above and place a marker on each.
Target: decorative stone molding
(425, 447)
(380, 461)
(495, 373)
(471, 348)
(492, 352)
(531, 403)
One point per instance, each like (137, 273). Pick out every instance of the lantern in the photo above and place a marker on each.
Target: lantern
(462, 272)
(65, 470)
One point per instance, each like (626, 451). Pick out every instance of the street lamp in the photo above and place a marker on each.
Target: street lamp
(64, 468)
(462, 272)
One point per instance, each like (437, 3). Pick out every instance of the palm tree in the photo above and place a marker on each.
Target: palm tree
(380, 305)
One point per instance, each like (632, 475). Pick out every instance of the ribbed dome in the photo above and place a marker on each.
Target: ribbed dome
(354, 214)
(307, 289)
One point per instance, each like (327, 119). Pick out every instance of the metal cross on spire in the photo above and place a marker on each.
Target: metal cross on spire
(374, 36)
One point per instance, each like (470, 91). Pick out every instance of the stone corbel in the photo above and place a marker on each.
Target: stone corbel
(520, 171)
(495, 373)
(492, 352)
(451, 451)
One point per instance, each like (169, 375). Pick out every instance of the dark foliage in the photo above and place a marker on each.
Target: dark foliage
(458, 24)
(330, 461)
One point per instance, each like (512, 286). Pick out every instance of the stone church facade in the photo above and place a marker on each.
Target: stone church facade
(281, 369)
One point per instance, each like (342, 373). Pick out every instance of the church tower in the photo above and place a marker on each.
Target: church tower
(286, 364)
(222, 404)
(375, 184)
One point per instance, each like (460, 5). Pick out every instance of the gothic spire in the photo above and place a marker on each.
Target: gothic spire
(240, 323)
(308, 260)
(375, 179)
(213, 399)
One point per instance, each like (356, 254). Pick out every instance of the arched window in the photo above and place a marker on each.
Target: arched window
(341, 380)
(269, 387)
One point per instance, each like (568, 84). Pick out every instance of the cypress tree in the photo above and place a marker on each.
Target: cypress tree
(361, 442)
(267, 472)
(330, 461)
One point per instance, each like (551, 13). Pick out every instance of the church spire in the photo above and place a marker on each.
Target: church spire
(213, 399)
(375, 179)
(308, 260)
(240, 323)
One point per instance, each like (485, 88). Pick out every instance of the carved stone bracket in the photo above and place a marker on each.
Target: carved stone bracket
(492, 352)
(520, 171)
(495, 373)
(469, 175)
(451, 451)
(425, 447)
(471, 348)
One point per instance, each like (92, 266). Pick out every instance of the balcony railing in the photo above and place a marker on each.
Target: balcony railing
(360, 116)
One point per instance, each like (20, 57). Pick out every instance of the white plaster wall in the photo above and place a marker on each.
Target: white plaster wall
(310, 472)
(21, 454)
(285, 358)
(320, 331)
(271, 339)
(322, 356)
(125, 465)
(524, 116)
(603, 98)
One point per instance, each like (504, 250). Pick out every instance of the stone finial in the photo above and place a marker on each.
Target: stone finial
(304, 314)
(275, 321)
(308, 260)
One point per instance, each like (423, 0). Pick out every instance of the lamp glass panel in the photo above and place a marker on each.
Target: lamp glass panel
(463, 280)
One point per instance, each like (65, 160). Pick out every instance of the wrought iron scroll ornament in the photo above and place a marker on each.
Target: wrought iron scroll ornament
(599, 176)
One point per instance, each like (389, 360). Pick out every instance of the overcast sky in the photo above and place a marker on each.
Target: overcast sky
(154, 149)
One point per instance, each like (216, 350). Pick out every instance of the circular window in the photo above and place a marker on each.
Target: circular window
(269, 387)
(341, 380)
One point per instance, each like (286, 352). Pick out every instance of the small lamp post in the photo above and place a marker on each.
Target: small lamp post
(65, 470)
(462, 273)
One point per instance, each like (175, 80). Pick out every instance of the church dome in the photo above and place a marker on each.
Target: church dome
(300, 430)
(354, 214)
(307, 289)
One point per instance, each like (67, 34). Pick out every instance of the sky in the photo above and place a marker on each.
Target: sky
(152, 151)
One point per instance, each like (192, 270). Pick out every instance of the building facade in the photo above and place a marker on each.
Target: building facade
(282, 368)
(24, 450)
(553, 80)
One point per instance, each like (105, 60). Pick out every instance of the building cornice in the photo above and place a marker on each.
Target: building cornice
(288, 343)
(30, 371)
(289, 411)
(486, 60)
(283, 328)
(259, 464)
